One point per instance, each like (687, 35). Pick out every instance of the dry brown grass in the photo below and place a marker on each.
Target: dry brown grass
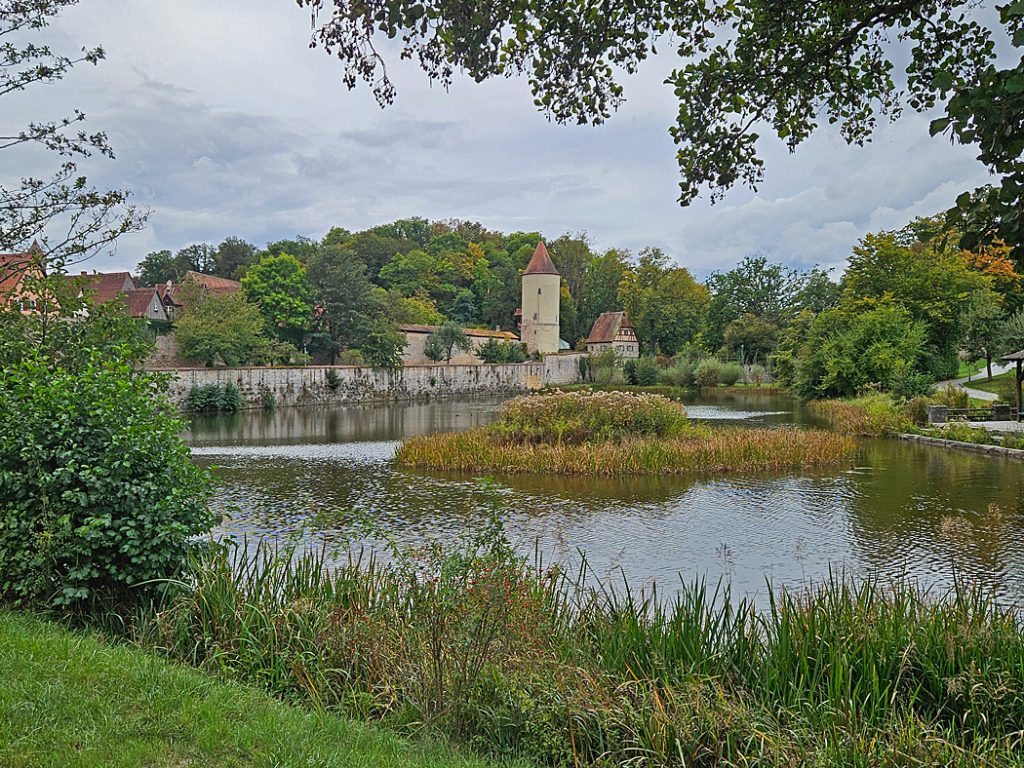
(703, 451)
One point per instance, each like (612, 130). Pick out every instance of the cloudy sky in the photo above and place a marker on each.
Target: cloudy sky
(225, 123)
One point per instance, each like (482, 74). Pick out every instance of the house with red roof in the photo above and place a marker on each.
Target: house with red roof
(100, 288)
(15, 268)
(614, 330)
(173, 301)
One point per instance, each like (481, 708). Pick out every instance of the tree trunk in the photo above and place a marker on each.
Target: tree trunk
(988, 364)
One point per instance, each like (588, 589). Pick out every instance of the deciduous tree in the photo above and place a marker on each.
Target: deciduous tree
(278, 284)
(745, 67)
(219, 327)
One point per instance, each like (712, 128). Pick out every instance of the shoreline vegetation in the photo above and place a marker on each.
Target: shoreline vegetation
(517, 660)
(586, 432)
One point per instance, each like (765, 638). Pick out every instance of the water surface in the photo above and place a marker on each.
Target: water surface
(897, 509)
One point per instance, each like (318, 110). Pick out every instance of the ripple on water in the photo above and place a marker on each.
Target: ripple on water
(898, 509)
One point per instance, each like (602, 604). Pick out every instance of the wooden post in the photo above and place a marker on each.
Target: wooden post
(1017, 382)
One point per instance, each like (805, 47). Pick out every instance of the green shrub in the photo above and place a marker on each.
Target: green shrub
(1013, 440)
(214, 398)
(847, 350)
(706, 373)
(647, 372)
(629, 372)
(917, 410)
(268, 400)
(679, 375)
(605, 368)
(98, 494)
(952, 396)
(729, 374)
(963, 433)
(909, 383)
(333, 379)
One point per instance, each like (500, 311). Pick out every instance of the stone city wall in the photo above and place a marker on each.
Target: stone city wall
(311, 384)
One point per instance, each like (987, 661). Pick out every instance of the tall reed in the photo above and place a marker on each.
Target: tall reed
(872, 415)
(513, 658)
(703, 450)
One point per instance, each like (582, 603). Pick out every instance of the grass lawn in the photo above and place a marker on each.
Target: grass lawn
(70, 699)
(995, 384)
(970, 368)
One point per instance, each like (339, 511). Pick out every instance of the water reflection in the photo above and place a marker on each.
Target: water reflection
(895, 509)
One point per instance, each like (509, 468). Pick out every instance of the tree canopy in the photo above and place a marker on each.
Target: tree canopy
(745, 67)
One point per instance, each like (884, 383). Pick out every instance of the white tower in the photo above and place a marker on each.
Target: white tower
(541, 299)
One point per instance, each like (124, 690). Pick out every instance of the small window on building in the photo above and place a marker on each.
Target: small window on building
(538, 291)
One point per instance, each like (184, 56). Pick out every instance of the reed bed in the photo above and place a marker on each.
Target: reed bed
(515, 659)
(874, 415)
(702, 450)
(615, 433)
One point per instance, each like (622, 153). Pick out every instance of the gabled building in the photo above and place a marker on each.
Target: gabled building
(170, 292)
(212, 283)
(14, 292)
(146, 303)
(614, 330)
(101, 287)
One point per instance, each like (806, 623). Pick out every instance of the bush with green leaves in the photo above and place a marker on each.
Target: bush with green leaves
(706, 373)
(963, 433)
(729, 374)
(494, 351)
(333, 379)
(99, 498)
(605, 367)
(952, 396)
(629, 372)
(647, 372)
(909, 383)
(214, 398)
(848, 350)
(679, 375)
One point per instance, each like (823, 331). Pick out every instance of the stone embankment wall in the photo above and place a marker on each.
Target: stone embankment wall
(310, 384)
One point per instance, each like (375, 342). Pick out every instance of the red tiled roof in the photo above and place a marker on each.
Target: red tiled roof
(103, 287)
(484, 333)
(607, 327)
(138, 301)
(13, 268)
(212, 282)
(541, 263)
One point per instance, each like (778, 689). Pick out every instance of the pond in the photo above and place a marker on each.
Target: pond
(896, 510)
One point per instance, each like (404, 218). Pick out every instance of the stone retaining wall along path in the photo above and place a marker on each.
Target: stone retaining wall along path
(990, 450)
(310, 384)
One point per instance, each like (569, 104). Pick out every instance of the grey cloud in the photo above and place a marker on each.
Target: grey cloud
(236, 128)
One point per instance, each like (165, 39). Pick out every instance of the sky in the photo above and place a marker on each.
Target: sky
(224, 122)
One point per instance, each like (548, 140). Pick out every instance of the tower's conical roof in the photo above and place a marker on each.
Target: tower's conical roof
(541, 263)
